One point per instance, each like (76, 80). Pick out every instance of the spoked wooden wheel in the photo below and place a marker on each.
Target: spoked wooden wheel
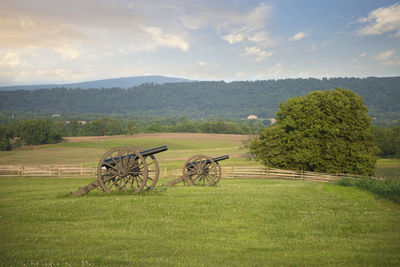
(154, 170)
(219, 174)
(122, 169)
(201, 170)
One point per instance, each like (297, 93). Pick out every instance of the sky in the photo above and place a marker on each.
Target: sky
(58, 41)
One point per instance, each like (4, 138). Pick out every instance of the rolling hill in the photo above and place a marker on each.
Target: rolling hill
(126, 82)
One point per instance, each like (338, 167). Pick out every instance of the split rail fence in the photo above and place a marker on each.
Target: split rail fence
(272, 173)
(227, 172)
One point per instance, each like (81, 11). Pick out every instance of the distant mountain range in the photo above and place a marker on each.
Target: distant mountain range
(201, 99)
(126, 82)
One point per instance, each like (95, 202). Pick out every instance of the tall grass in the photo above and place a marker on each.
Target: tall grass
(387, 188)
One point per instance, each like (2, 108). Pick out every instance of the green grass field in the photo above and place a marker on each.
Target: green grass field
(239, 222)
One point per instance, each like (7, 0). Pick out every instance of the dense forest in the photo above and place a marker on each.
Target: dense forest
(199, 100)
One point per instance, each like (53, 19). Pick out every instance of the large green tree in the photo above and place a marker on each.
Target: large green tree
(37, 132)
(324, 131)
(5, 138)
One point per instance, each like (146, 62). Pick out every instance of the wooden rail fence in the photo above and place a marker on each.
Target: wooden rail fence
(272, 173)
(47, 170)
(227, 172)
(54, 171)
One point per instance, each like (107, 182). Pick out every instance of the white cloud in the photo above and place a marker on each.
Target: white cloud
(363, 54)
(256, 53)
(66, 52)
(385, 55)
(298, 36)
(201, 63)
(247, 34)
(303, 74)
(166, 40)
(382, 20)
(388, 58)
(259, 37)
(274, 71)
(258, 16)
(389, 63)
(11, 59)
(234, 38)
(222, 16)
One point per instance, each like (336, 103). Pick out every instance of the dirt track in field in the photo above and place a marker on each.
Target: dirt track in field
(217, 137)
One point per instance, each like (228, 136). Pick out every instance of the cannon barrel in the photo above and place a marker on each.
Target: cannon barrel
(216, 159)
(144, 153)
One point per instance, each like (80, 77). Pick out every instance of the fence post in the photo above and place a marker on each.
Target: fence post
(81, 169)
(233, 171)
(59, 172)
(165, 171)
(301, 174)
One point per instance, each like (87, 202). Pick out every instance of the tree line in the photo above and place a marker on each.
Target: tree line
(387, 140)
(202, 100)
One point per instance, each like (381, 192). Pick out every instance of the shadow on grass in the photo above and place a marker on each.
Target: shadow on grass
(156, 191)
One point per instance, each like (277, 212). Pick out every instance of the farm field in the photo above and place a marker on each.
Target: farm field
(88, 150)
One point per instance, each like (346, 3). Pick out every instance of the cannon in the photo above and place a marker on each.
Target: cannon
(201, 170)
(126, 169)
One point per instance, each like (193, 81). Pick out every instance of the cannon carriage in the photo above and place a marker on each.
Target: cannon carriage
(201, 170)
(126, 169)
(135, 169)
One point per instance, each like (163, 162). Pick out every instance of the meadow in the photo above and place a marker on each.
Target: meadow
(88, 150)
(239, 222)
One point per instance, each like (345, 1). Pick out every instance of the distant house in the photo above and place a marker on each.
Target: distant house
(252, 117)
(79, 122)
